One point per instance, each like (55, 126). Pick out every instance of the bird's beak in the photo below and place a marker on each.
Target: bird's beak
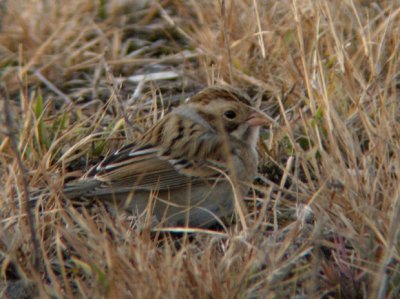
(256, 119)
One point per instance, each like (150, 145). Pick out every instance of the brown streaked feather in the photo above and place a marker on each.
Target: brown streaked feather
(222, 92)
(144, 166)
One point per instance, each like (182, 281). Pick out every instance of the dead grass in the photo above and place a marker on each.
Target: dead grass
(324, 219)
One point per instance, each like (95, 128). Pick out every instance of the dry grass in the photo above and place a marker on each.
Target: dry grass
(324, 220)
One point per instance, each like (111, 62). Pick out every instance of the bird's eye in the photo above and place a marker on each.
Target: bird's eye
(230, 114)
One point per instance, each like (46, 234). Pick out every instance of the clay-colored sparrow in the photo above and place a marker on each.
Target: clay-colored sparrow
(186, 167)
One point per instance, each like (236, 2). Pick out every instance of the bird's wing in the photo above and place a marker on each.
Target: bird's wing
(139, 168)
(169, 164)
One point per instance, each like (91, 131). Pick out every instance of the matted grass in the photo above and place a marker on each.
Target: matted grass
(323, 220)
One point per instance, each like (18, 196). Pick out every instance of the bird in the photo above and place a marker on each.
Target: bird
(187, 168)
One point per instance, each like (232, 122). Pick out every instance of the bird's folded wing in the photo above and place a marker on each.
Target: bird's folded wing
(163, 160)
(143, 169)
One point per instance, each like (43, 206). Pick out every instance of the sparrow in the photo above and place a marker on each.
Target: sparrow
(187, 169)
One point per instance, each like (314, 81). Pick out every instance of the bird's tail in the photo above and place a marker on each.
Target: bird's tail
(80, 188)
(71, 191)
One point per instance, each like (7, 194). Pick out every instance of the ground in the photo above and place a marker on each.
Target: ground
(81, 78)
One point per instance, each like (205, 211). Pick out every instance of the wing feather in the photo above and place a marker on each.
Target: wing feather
(162, 160)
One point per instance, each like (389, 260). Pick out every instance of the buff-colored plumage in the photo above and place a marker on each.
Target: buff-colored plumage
(178, 171)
